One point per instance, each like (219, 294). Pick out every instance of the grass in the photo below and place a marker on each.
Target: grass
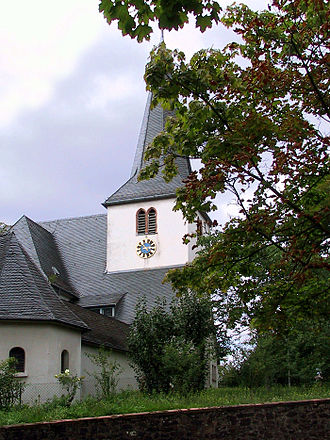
(133, 401)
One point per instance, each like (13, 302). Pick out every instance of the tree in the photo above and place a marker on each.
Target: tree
(134, 17)
(170, 346)
(301, 357)
(255, 126)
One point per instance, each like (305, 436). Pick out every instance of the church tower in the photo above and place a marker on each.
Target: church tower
(143, 231)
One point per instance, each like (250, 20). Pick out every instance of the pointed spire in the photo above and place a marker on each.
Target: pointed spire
(152, 124)
(133, 190)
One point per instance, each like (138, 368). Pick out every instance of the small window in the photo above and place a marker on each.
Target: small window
(152, 221)
(19, 354)
(141, 221)
(105, 310)
(64, 361)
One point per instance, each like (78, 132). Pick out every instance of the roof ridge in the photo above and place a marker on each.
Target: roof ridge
(70, 218)
(7, 237)
(26, 261)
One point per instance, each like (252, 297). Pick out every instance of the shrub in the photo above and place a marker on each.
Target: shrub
(70, 383)
(170, 346)
(107, 376)
(10, 387)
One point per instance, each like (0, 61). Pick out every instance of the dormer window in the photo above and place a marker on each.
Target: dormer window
(105, 310)
(146, 222)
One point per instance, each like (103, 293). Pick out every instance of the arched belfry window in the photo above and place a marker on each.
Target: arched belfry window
(141, 221)
(152, 221)
(19, 354)
(64, 361)
(146, 222)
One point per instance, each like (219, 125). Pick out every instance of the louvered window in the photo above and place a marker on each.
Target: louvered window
(141, 221)
(19, 354)
(152, 221)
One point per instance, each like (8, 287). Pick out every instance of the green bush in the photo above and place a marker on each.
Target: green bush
(108, 371)
(70, 383)
(10, 387)
(170, 346)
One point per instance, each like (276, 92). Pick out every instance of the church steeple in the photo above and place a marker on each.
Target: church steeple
(132, 191)
(144, 232)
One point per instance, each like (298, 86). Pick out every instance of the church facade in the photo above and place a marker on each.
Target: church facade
(69, 286)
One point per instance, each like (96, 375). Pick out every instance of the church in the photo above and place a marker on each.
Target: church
(71, 285)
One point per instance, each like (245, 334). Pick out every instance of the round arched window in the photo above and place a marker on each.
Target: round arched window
(19, 354)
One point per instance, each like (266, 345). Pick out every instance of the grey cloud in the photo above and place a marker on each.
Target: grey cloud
(65, 158)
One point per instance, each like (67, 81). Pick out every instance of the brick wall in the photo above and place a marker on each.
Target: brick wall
(304, 420)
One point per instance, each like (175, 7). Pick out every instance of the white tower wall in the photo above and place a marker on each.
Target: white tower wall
(123, 238)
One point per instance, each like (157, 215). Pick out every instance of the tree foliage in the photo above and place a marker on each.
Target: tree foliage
(170, 347)
(135, 17)
(301, 357)
(253, 114)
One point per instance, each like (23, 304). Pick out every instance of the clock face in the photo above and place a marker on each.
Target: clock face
(146, 248)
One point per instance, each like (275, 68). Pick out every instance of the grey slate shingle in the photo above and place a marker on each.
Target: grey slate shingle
(25, 293)
(104, 331)
(42, 248)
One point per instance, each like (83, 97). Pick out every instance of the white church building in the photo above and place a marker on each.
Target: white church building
(69, 286)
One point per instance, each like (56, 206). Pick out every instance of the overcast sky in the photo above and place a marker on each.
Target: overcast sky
(72, 101)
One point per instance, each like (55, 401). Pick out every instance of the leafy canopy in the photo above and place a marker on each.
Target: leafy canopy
(135, 17)
(254, 114)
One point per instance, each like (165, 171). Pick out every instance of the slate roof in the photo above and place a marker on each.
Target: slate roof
(41, 246)
(81, 242)
(101, 300)
(105, 331)
(25, 293)
(132, 191)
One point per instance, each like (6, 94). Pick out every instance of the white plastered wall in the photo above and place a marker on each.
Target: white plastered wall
(126, 376)
(43, 344)
(192, 229)
(122, 237)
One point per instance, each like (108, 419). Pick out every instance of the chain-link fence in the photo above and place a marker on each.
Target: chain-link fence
(41, 392)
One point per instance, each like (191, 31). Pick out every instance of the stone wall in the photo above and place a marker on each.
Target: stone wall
(304, 420)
